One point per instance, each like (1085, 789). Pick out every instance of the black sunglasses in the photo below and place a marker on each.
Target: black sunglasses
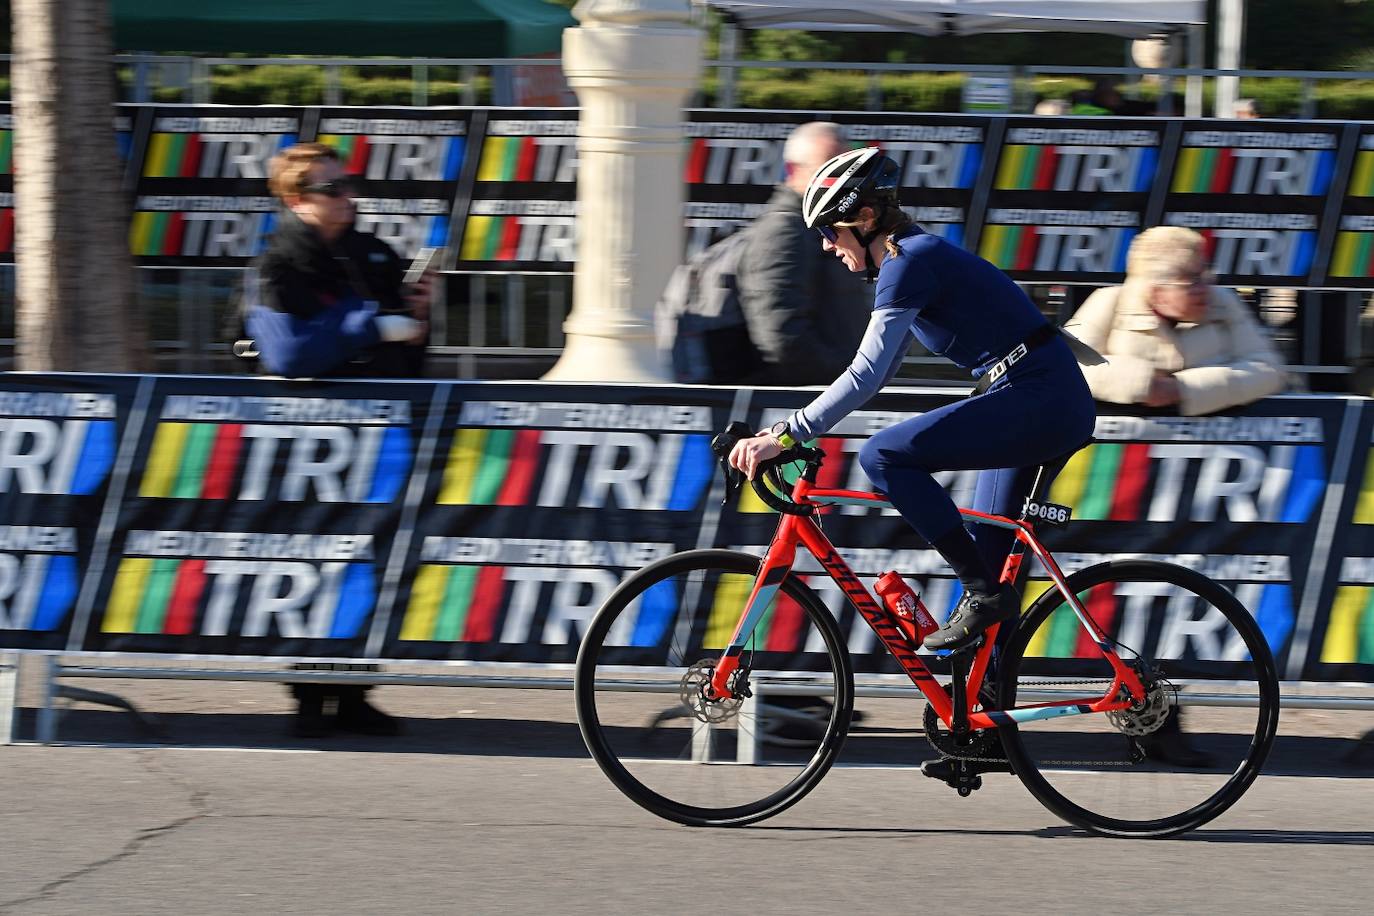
(829, 233)
(336, 187)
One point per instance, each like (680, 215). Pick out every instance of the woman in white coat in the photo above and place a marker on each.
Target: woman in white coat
(1170, 337)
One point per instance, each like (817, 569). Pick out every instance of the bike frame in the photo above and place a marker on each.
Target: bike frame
(794, 530)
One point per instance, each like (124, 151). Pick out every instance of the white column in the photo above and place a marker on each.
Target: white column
(1230, 40)
(633, 64)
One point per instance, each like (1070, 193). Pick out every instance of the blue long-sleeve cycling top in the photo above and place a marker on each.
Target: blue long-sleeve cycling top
(955, 303)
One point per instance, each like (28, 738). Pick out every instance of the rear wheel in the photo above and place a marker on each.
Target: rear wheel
(645, 659)
(1190, 749)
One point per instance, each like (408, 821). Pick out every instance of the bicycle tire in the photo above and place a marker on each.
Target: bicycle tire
(614, 750)
(1179, 589)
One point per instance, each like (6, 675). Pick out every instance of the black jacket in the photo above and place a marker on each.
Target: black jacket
(806, 312)
(310, 305)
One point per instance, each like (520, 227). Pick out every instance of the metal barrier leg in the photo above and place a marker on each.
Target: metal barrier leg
(46, 730)
(9, 695)
(701, 741)
(747, 737)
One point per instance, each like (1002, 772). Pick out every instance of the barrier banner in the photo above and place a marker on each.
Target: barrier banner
(1067, 196)
(259, 517)
(489, 521)
(407, 164)
(1341, 646)
(1281, 203)
(1256, 193)
(540, 500)
(521, 214)
(1351, 262)
(59, 435)
(201, 194)
(735, 160)
(1235, 497)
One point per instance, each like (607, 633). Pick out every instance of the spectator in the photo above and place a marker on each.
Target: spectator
(1103, 99)
(326, 300)
(805, 313)
(1171, 338)
(1246, 109)
(1052, 107)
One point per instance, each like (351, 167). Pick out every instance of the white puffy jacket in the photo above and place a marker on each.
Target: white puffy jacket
(1225, 360)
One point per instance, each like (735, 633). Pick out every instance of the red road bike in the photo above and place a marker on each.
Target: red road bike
(764, 681)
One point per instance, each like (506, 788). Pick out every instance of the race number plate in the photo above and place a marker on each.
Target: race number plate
(1049, 513)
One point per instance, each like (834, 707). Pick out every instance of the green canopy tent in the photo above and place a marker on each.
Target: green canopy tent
(342, 28)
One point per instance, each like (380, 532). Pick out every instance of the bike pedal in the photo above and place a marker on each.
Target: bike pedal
(960, 652)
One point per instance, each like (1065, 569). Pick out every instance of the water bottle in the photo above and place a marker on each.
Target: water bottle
(905, 606)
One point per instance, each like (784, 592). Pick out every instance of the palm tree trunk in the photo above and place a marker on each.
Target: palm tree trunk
(76, 307)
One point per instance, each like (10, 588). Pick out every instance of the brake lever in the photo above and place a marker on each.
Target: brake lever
(722, 445)
(734, 479)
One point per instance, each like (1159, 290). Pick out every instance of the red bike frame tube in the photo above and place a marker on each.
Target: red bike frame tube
(778, 562)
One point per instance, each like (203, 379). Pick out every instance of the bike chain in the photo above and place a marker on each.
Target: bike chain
(1051, 763)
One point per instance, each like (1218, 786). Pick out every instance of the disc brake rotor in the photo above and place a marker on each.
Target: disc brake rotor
(1149, 716)
(693, 695)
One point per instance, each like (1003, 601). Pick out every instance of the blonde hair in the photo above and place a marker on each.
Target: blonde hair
(287, 171)
(1162, 253)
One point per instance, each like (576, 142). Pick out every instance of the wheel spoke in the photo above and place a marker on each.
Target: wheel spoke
(671, 748)
(1176, 758)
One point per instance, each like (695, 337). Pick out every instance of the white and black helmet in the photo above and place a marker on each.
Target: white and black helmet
(859, 178)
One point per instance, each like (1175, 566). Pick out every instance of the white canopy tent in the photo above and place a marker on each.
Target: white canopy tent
(1128, 18)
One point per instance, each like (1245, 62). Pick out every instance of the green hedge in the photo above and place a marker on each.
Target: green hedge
(842, 90)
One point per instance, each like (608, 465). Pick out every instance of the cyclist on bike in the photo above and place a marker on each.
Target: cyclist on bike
(1036, 405)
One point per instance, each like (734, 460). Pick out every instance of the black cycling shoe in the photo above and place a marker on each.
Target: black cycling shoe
(974, 614)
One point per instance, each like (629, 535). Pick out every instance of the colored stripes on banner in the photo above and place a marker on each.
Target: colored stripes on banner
(1350, 630)
(178, 155)
(508, 159)
(1036, 168)
(1015, 247)
(1362, 177)
(164, 596)
(1111, 481)
(160, 233)
(355, 152)
(6, 152)
(490, 238)
(202, 460)
(1353, 255)
(1213, 170)
(498, 467)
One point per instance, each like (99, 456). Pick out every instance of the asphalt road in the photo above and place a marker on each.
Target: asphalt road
(489, 805)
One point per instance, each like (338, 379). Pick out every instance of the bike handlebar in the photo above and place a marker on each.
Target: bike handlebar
(722, 444)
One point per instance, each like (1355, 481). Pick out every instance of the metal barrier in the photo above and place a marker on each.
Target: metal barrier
(488, 80)
(495, 676)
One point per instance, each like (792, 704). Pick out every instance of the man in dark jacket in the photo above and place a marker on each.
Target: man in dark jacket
(325, 300)
(806, 313)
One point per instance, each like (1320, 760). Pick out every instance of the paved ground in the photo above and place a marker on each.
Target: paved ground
(489, 805)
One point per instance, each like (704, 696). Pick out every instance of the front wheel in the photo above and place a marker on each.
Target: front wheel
(1197, 740)
(647, 722)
